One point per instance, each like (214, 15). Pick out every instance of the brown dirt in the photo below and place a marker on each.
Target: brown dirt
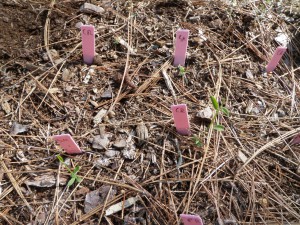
(168, 173)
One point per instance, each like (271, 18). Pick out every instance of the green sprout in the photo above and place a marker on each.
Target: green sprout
(116, 41)
(73, 174)
(181, 70)
(197, 141)
(217, 107)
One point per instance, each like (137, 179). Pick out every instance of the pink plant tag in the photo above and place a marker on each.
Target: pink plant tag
(275, 59)
(191, 219)
(88, 43)
(67, 143)
(181, 44)
(181, 119)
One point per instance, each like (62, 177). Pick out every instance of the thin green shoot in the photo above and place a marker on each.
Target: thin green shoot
(73, 174)
(181, 70)
(197, 141)
(218, 108)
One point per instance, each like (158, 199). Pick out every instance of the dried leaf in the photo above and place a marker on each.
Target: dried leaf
(206, 113)
(94, 198)
(99, 117)
(100, 142)
(107, 94)
(120, 143)
(129, 153)
(6, 107)
(67, 75)
(296, 139)
(18, 128)
(242, 156)
(102, 162)
(46, 180)
(82, 191)
(249, 74)
(111, 153)
(142, 131)
(168, 82)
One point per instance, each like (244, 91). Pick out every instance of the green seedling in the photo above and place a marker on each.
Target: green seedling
(218, 109)
(116, 41)
(181, 70)
(197, 141)
(73, 174)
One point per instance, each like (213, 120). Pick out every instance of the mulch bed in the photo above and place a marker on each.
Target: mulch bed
(118, 111)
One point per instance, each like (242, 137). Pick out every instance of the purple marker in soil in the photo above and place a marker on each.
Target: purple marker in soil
(67, 143)
(181, 119)
(88, 43)
(191, 219)
(181, 44)
(275, 59)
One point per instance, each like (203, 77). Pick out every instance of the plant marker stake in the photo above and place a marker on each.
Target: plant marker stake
(88, 43)
(181, 44)
(67, 143)
(191, 219)
(181, 119)
(275, 59)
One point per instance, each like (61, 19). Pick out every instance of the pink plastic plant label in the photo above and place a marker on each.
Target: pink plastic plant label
(67, 143)
(88, 43)
(181, 44)
(275, 59)
(181, 119)
(191, 219)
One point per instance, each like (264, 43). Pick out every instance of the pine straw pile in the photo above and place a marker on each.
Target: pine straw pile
(246, 174)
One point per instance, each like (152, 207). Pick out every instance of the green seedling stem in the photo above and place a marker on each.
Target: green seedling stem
(73, 174)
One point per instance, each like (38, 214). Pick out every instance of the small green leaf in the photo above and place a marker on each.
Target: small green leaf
(181, 70)
(78, 179)
(214, 102)
(218, 127)
(71, 181)
(197, 141)
(60, 158)
(225, 111)
(198, 144)
(76, 169)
